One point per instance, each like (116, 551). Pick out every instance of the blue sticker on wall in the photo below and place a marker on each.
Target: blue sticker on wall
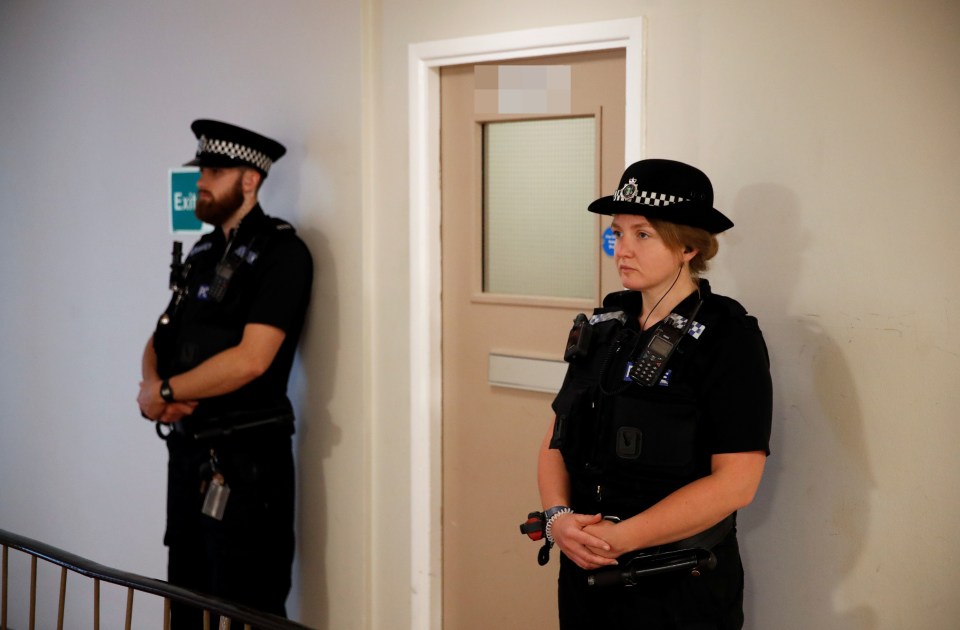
(608, 241)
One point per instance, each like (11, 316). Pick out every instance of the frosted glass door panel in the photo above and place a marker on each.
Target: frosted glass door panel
(538, 178)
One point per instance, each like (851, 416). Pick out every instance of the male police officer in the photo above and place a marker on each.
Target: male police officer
(215, 375)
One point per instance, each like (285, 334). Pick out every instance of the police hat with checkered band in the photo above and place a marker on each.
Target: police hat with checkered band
(666, 190)
(223, 145)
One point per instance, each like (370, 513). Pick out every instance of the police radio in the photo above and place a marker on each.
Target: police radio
(164, 334)
(176, 265)
(647, 369)
(178, 281)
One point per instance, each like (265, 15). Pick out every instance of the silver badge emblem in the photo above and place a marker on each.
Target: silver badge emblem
(628, 192)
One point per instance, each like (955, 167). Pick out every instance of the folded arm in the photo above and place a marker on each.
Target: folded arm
(701, 504)
(224, 372)
(569, 531)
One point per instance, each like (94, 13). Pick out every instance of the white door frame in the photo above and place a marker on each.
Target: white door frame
(425, 61)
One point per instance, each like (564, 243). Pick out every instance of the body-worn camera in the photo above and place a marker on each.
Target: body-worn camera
(178, 282)
(578, 341)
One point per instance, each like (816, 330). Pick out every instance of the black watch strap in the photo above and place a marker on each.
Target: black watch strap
(165, 392)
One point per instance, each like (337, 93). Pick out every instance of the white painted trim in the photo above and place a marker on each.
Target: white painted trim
(424, 63)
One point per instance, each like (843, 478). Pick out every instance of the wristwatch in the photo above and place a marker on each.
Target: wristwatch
(165, 392)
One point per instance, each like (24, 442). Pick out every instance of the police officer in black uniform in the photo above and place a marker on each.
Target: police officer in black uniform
(662, 425)
(215, 377)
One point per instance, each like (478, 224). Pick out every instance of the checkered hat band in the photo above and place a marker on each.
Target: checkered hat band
(650, 198)
(234, 151)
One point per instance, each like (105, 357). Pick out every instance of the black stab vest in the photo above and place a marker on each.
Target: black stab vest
(627, 446)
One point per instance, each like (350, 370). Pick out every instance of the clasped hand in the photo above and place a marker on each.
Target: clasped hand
(588, 540)
(153, 407)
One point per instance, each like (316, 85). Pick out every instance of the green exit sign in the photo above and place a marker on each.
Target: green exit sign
(183, 200)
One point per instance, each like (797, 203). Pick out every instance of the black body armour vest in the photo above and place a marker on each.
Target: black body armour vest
(210, 315)
(627, 446)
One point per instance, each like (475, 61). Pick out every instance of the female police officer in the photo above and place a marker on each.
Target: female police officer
(662, 425)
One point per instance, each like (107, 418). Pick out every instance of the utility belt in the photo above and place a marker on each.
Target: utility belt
(693, 554)
(229, 424)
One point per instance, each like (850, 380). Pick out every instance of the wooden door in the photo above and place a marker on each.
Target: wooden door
(502, 351)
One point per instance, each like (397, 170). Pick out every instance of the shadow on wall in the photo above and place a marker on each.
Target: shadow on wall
(805, 532)
(317, 435)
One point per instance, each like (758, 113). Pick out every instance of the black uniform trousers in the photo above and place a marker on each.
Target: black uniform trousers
(672, 601)
(247, 556)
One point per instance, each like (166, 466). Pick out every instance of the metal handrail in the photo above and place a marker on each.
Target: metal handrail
(71, 562)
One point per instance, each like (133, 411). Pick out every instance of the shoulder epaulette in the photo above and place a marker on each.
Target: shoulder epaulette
(282, 226)
(718, 309)
(605, 315)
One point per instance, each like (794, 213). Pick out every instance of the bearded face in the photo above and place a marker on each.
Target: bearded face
(217, 206)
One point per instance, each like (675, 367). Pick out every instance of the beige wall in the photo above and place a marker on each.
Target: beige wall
(829, 130)
(831, 134)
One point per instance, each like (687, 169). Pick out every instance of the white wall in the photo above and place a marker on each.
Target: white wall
(96, 99)
(829, 129)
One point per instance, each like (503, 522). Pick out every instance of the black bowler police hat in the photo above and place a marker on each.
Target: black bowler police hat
(666, 190)
(224, 145)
